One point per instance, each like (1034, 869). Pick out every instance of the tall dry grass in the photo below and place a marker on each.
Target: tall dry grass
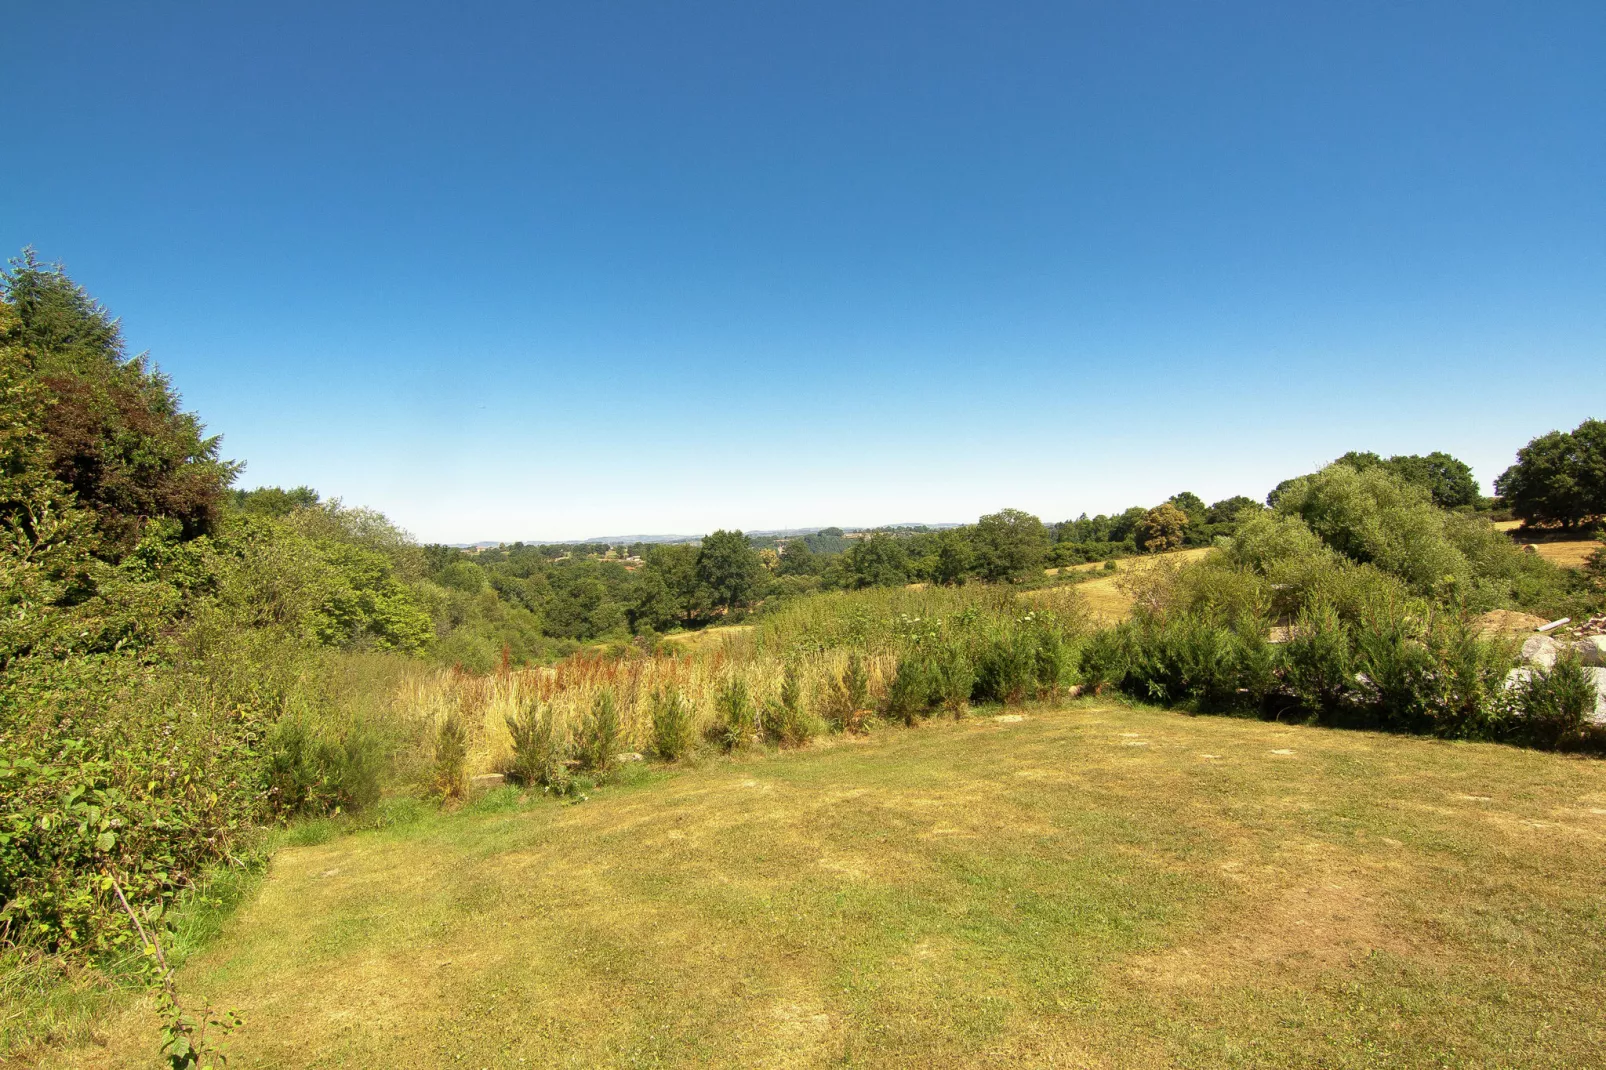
(570, 689)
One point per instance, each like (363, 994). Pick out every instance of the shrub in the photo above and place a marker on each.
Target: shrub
(736, 720)
(1555, 705)
(309, 773)
(910, 695)
(451, 754)
(856, 682)
(1196, 660)
(1054, 659)
(671, 724)
(1006, 665)
(1105, 657)
(953, 678)
(846, 699)
(1317, 668)
(599, 737)
(540, 751)
(788, 721)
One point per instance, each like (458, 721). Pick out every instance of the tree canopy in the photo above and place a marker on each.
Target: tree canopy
(1009, 545)
(111, 426)
(1559, 477)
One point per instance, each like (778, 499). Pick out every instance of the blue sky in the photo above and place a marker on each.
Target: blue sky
(551, 271)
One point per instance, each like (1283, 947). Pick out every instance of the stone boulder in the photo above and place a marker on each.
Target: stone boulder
(1541, 650)
(1592, 650)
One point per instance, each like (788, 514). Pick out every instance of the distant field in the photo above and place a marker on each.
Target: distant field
(1099, 886)
(708, 637)
(1105, 599)
(1568, 553)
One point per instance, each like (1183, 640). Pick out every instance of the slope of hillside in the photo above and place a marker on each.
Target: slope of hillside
(1100, 885)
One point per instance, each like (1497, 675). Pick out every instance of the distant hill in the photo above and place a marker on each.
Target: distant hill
(755, 533)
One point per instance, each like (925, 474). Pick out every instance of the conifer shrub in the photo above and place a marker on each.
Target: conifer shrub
(599, 736)
(788, 721)
(953, 678)
(1006, 665)
(311, 770)
(451, 756)
(736, 717)
(540, 749)
(911, 695)
(1105, 657)
(672, 723)
(1553, 705)
(1193, 661)
(1318, 667)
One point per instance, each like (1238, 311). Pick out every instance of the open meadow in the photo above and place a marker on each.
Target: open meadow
(1098, 884)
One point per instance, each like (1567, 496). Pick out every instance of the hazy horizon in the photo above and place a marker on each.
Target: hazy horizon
(525, 271)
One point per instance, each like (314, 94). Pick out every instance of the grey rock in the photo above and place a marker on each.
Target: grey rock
(1599, 676)
(1540, 650)
(1592, 650)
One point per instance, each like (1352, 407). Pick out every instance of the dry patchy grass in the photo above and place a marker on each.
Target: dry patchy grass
(1100, 886)
(1106, 598)
(1558, 550)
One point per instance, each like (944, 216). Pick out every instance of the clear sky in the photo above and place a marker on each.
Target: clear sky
(559, 270)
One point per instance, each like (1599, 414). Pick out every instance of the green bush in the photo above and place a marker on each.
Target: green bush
(599, 736)
(953, 678)
(1555, 704)
(451, 755)
(911, 694)
(736, 718)
(308, 772)
(540, 749)
(1105, 658)
(1319, 671)
(1006, 665)
(788, 721)
(671, 724)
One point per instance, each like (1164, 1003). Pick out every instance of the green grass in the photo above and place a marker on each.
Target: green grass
(1080, 888)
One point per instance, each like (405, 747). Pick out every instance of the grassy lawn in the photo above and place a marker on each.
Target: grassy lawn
(1097, 885)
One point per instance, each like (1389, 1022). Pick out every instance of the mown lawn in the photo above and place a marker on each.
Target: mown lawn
(1098, 885)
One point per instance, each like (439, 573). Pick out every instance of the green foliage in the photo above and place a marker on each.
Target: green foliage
(540, 749)
(736, 717)
(313, 767)
(952, 678)
(1559, 477)
(451, 754)
(788, 720)
(1327, 524)
(1553, 705)
(111, 427)
(846, 704)
(878, 561)
(1009, 546)
(953, 559)
(797, 559)
(1005, 661)
(273, 501)
(914, 689)
(1319, 670)
(672, 724)
(599, 741)
(730, 568)
(1162, 528)
(1231, 510)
